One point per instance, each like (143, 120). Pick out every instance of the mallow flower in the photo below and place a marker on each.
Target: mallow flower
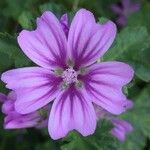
(68, 73)
(14, 120)
(124, 9)
(121, 128)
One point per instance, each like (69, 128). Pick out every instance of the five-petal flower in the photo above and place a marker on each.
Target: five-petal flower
(68, 73)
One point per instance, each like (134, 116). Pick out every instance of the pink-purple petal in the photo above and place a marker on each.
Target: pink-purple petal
(129, 104)
(35, 87)
(122, 20)
(8, 107)
(71, 110)
(121, 128)
(47, 45)
(65, 24)
(2, 97)
(28, 77)
(104, 81)
(14, 121)
(125, 4)
(135, 7)
(116, 9)
(87, 41)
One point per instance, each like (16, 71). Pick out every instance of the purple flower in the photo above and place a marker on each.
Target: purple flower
(124, 10)
(121, 128)
(68, 74)
(15, 120)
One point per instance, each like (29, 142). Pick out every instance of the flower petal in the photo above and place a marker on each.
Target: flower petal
(135, 7)
(2, 97)
(65, 24)
(116, 9)
(122, 20)
(71, 110)
(121, 128)
(8, 107)
(87, 41)
(47, 45)
(16, 121)
(12, 96)
(35, 87)
(125, 4)
(122, 125)
(120, 135)
(104, 83)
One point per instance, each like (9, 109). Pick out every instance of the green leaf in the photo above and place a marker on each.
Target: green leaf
(49, 145)
(9, 46)
(141, 111)
(5, 62)
(100, 140)
(129, 39)
(26, 20)
(2, 88)
(132, 46)
(135, 139)
(139, 59)
(104, 7)
(138, 116)
(57, 9)
(15, 8)
(102, 20)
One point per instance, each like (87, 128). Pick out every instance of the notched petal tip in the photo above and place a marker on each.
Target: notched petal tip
(46, 45)
(88, 40)
(71, 111)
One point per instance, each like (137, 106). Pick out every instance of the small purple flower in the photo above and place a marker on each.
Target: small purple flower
(124, 10)
(14, 120)
(68, 74)
(121, 127)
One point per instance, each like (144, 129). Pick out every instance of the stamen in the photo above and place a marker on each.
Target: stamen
(69, 76)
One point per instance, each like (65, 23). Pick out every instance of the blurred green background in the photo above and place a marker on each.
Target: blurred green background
(132, 46)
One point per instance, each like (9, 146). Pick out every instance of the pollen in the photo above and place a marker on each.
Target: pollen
(69, 76)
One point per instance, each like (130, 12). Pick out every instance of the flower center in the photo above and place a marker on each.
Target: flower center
(69, 76)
